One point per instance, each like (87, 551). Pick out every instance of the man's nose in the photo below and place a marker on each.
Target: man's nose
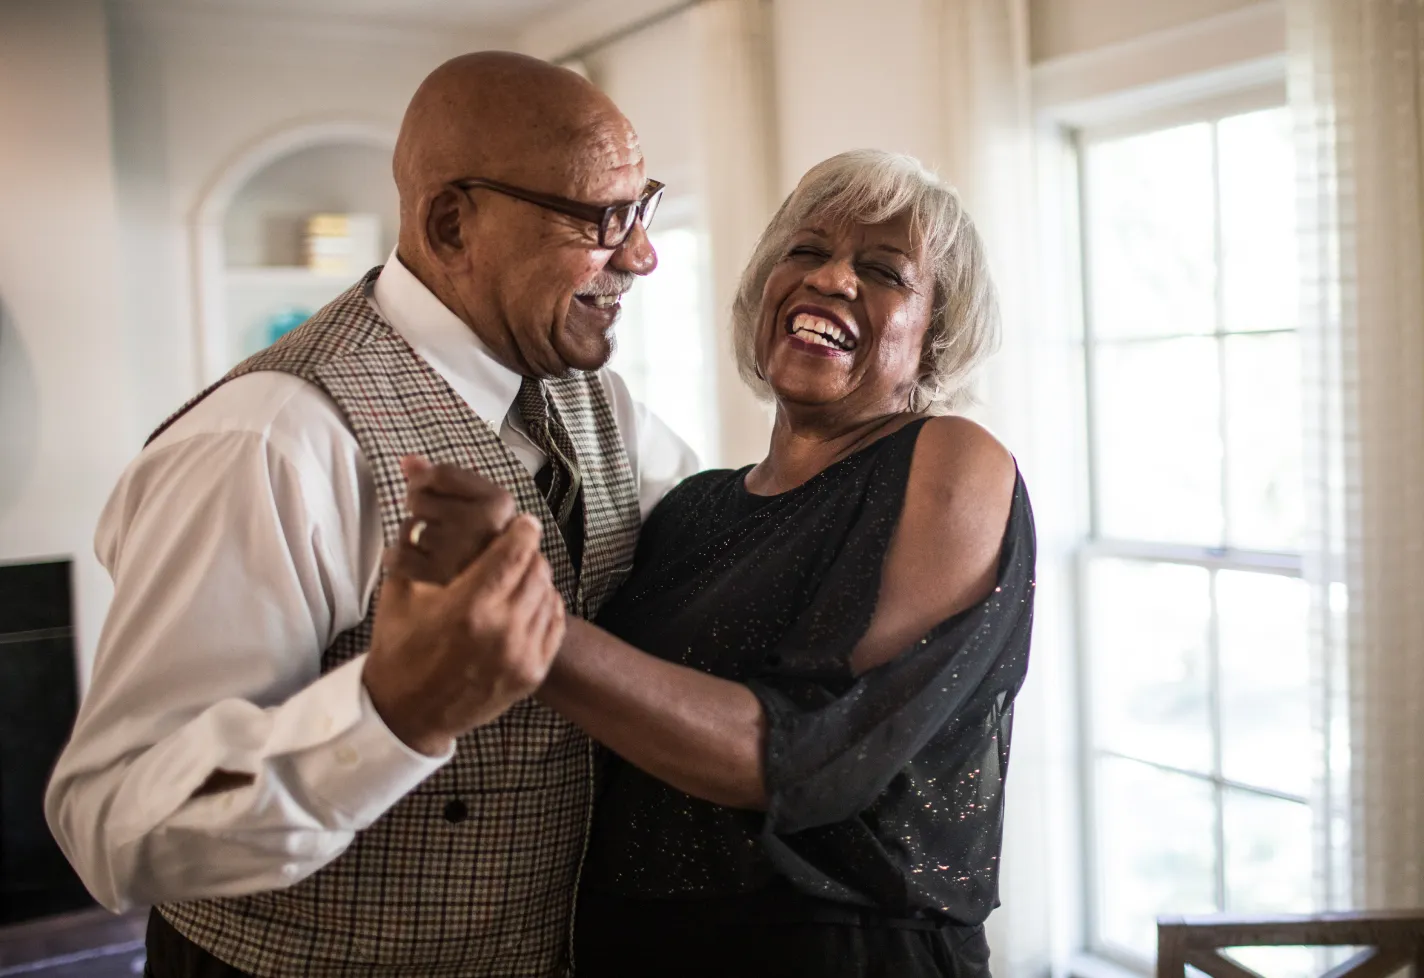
(636, 253)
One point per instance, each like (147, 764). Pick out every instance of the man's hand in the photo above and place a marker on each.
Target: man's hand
(448, 657)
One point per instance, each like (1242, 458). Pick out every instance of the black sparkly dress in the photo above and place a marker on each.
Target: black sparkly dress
(879, 850)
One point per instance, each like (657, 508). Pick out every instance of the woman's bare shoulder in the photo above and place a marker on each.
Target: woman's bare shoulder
(944, 556)
(958, 460)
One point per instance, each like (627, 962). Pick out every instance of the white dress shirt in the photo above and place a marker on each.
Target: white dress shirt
(241, 542)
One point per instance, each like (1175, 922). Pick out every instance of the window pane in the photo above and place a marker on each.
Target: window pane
(1258, 246)
(1156, 847)
(1268, 862)
(1265, 487)
(1150, 234)
(1265, 681)
(662, 350)
(1157, 439)
(1291, 961)
(1148, 661)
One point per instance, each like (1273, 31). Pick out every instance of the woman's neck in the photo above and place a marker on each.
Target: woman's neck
(800, 449)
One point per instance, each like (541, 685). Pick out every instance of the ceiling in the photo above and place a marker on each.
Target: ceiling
(494, 16)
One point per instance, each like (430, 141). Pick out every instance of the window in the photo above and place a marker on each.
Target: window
(663, 349)
(1198, 737)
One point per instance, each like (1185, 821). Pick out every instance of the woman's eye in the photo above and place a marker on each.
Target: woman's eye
(887, 274)
(806, 251)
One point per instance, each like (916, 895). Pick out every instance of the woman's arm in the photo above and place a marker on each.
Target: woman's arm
(698, 733)
(694, 731)
(705, 735)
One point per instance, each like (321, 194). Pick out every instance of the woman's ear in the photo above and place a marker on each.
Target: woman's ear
(928, 353)
(918, 399)
(444, 225)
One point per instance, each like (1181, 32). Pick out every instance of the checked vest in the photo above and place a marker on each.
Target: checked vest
(473, 873)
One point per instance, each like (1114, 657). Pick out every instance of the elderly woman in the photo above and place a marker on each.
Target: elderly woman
(811, 737)
(807, 682)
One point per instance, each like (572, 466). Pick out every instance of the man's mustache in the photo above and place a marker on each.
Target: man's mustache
(608, 283)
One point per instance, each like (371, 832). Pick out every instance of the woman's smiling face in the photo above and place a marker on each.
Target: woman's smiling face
(844, 314)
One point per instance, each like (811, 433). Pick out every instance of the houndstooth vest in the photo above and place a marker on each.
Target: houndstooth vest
(474, 872)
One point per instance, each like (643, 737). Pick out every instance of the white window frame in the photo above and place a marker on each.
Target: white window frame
(1220, 66)
(1095, 545)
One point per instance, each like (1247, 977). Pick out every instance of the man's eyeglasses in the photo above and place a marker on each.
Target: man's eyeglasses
(615, 221)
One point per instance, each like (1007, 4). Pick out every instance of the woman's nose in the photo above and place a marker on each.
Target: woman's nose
(834, 277)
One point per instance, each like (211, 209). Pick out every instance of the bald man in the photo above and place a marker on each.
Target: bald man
(309, 763)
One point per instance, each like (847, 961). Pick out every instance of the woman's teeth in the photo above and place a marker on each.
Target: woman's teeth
(822, 332)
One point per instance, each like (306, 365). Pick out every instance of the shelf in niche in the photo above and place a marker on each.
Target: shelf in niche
(258, 295)
(285, 275)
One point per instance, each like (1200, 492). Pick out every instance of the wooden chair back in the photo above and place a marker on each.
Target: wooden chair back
(1391, 940)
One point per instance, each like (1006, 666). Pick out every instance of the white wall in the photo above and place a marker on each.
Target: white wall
(66, 402)
(663, 113)
(196, 90)
(855, 73)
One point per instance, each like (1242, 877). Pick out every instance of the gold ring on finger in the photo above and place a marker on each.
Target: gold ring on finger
(417, 531)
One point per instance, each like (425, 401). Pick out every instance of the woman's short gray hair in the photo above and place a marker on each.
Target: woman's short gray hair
(867, 186)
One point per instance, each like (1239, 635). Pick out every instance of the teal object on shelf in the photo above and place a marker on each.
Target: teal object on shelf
(282, 323)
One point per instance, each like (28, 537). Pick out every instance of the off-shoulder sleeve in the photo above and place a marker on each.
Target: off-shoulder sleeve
(896, 751)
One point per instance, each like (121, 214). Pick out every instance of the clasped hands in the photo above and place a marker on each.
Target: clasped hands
(468, 620)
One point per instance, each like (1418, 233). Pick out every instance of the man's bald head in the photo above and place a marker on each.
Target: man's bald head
(507, 117)
(533, 282)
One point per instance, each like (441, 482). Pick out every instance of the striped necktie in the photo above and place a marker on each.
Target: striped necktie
(559, 480)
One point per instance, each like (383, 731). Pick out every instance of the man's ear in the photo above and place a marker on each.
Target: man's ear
(444, 225)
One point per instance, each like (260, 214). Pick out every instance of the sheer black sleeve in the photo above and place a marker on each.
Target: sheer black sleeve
(885, 789)
(888, 784)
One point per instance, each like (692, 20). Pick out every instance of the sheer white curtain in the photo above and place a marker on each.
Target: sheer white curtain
(734, 105)
(986, 141)
(1356, 76)
(982, 127)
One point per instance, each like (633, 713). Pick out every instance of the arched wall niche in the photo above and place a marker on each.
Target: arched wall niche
(247, 228)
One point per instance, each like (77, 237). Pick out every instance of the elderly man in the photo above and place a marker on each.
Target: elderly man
(314, 767)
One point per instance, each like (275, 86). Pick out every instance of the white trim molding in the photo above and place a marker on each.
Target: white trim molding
(239, 28)
(213, 342)
(1231, 52)
(575, 27)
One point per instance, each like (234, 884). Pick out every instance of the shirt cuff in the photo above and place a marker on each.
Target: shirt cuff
(361, 769)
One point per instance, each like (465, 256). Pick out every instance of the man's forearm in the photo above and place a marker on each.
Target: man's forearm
(698, 733)
(309, 774)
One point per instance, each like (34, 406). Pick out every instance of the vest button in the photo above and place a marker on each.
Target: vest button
(456, 812)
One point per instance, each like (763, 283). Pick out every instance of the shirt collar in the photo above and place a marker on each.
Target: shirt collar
(446, 343)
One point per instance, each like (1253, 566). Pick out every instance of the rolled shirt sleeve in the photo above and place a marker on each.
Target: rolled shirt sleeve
(238, 554)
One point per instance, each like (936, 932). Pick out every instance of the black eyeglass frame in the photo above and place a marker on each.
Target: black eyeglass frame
(643, 209)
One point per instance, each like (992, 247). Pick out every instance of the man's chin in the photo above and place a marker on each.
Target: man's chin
(585, 353)
(588, 364)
